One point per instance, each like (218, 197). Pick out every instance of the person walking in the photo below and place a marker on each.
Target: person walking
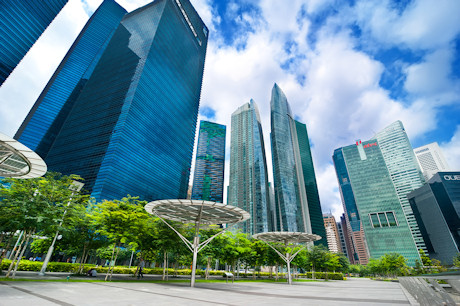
(141, 269)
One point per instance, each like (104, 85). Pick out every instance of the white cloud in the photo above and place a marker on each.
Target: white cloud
(451, 150)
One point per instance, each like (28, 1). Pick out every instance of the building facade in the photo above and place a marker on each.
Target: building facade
(431, 160)
(345, 239)
(208, 179)
(290, 195)
(404, 171)
(332, 234)
(436, 207)
(46, 118)
(248, 183)
(311, 188)
(376, 200)
(357, 248)
(21, 24)
(131, 129)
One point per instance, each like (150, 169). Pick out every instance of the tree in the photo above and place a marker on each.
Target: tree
(456, 260)
(121, 221)
(35, 206)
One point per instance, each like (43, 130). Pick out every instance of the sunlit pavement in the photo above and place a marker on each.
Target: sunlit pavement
(350, 292)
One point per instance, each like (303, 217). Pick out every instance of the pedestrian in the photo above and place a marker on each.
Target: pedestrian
(141, 268)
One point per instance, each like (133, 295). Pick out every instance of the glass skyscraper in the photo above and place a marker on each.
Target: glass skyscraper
(21, 24)
(357, 251)
(248, 186)
(311, 188)
(208, 179)
(46, 118)
(404, 171)
(290, 195)
(375, 200)
(131, 128)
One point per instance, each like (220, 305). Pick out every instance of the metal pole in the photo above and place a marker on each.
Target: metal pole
(288, 261)
(196, 243)
(131, 260)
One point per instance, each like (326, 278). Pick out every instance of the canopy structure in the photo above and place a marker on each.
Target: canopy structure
(287, 238)
(198, 212)
(18, 161)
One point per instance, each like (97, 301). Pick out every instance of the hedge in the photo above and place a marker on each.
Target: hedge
(27, 265)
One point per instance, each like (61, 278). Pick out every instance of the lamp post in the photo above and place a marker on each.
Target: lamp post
(75, 187)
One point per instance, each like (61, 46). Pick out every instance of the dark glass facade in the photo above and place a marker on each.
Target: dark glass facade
(208, 179)
(21, 24)
(290, 197)
(436, 206)
(311, 188)
(248, 187)
(46, 118)
(131, 129)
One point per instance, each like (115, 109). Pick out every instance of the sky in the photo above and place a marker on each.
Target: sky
(348, 68)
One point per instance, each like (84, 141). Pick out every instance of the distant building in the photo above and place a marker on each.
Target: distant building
(21, 24)
(208, 181)
(130, 127)
(357, 248)
(290, 195)
(345, 239)
(311, 188)
(436, 206)
(431, 159)
(404, 171)
(332, 234)
(368, 184)
(248, 183)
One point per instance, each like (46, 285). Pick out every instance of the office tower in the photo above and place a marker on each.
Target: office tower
(46, 118)
(332, 234)
(248, 187)
(341, 227)
(367, 188)
(290, 195)
(404, 171)
(431, 159)
(208, 180)
(358, 252)
(21, 24)
(311, 188)
(436, 206)
(131, 129)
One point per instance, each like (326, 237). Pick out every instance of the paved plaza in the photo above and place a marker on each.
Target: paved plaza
(350, 292)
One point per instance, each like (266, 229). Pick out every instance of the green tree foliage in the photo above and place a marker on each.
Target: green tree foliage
(456, 260)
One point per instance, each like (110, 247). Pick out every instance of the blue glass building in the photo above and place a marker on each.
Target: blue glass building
(131, 129)
(208, 179)
(45, 119)
(290, 195)
(21, 24)
(248, 184)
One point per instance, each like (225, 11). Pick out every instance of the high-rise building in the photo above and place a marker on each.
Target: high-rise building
(345, 239)
(431, 160)
(248, 184)
(358, 253)
(208, 180)
(46, 118)
(290, 195)
(21, 24)
(404, 171)
(332, 234)
(369, 195)
(311, 188)
(131, 129)
(436, 206)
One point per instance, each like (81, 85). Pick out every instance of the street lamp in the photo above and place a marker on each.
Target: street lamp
(75, 187)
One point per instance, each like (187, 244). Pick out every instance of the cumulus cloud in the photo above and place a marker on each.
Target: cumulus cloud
(451, 150)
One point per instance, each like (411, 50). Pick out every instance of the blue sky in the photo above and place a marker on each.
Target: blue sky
(348, 69)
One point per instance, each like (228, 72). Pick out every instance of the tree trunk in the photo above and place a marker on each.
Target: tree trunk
(271, 272)
(3, 255)
(208, 267)
(80, 268)
(167, 266)
(22, 252)
(114, 262)
(16, 252)
(164, 266)
(108, 270)
(276, 277)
